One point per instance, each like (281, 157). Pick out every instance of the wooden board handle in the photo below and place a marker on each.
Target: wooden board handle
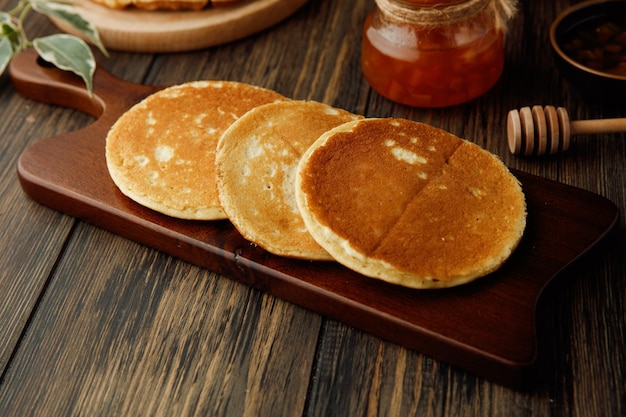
(38, 80)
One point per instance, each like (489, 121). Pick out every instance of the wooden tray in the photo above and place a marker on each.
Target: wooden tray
(163, 31)
(486, 327)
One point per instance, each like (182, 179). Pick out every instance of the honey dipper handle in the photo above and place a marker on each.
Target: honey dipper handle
(584, 127)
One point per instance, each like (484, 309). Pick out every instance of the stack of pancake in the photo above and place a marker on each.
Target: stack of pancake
(392, 199)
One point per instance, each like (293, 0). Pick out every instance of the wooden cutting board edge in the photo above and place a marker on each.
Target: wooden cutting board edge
(169, 31)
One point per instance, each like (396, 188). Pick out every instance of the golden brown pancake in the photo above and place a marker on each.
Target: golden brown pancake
(256, 162)
(161, 152)
(408, 203)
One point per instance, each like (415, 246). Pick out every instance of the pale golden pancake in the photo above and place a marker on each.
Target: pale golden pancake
(161, 152)
(408, 203)
(257, 158)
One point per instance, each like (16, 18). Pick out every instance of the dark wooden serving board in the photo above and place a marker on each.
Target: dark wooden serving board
(486, 327)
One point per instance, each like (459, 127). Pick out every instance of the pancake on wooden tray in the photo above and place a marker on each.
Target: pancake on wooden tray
(257, 158)
(161, 152)
(408, 203)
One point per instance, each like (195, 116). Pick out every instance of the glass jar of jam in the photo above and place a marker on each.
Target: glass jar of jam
(434, 53)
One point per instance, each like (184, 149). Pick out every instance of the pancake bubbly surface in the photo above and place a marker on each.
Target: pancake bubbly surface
(257, 158)
(161, 152)
(408, 203)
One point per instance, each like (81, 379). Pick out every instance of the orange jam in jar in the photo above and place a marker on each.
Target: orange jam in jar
(434, 53)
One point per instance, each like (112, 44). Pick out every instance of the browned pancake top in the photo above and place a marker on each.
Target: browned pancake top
(416, 198)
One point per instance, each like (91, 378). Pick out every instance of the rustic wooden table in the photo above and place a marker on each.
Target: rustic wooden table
(92, 323)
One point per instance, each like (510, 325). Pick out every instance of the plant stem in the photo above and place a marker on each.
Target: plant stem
(25, 10)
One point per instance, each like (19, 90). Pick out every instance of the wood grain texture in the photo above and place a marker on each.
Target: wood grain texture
(582, 326)
(158, 332)
(38, 235)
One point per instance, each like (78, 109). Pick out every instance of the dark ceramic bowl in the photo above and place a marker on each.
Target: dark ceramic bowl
(579, 67)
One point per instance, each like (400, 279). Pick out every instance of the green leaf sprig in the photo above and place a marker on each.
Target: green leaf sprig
(66, 52)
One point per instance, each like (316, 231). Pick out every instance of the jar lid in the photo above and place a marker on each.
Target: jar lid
(441, 12)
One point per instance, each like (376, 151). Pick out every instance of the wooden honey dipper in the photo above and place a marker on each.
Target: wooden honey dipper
(547, 130)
